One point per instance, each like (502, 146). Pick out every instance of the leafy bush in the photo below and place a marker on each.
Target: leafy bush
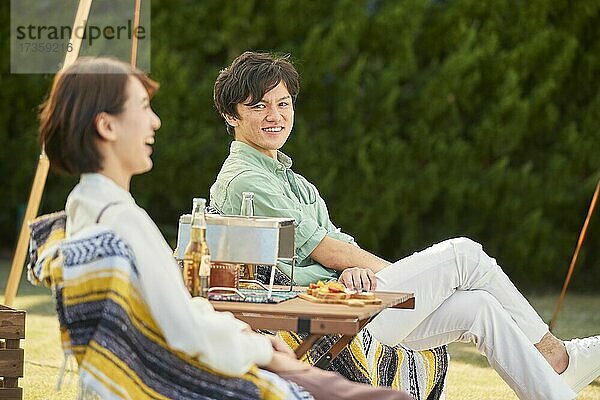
(418, 121)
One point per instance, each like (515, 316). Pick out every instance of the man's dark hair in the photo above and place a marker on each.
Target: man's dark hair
(79, 93)
(249, 77)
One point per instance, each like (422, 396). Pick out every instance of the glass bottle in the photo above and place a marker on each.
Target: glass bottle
(196, 260)
(247, 210)
(176, 253)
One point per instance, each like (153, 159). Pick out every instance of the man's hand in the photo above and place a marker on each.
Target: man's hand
(358, 279)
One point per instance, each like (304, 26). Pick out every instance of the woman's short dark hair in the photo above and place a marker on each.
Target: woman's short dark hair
(79, 93)
(249, 77)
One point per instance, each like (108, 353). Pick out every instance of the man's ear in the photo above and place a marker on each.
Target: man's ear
(105, 126)
(231, 120)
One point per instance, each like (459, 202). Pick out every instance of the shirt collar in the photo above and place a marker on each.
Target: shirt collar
(254, 156)
(109, 187)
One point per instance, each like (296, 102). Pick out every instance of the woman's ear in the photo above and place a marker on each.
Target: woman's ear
(231, 120)
(105, 126)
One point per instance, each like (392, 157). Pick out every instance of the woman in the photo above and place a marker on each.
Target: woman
(98, 123)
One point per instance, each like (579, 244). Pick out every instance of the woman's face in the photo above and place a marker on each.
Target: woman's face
(135, 127)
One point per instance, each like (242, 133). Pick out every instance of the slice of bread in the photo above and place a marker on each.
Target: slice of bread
(331, 296)
(363, 295)
(332, 287)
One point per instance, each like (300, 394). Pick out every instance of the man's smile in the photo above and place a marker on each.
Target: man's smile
(273, 129)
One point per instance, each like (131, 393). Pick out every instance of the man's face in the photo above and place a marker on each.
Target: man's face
(267, 124)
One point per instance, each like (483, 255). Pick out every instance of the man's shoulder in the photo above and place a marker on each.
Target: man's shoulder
(236, 176)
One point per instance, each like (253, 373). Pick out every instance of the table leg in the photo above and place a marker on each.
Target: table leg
(306, 344)
(333, 352)
(325, 360)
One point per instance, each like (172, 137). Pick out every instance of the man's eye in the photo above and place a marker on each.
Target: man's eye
(258, 106)
(284, 104)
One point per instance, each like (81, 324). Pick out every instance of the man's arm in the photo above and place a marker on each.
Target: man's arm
(358, 265)
(340, 255)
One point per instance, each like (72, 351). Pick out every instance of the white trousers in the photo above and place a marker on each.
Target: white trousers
(462, 295)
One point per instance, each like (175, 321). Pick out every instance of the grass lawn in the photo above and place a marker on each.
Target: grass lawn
(470, 377)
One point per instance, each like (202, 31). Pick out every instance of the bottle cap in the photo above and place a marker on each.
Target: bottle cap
(199, 200)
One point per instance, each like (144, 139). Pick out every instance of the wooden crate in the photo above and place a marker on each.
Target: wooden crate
(12, 330)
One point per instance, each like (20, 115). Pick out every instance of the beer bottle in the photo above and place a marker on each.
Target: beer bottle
(247, 209)
(196, 260)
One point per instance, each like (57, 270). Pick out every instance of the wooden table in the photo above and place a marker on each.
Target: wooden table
(317, 319)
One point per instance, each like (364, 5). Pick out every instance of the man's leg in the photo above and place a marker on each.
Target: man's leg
(434, 274)
(460, 264)
(476, 316)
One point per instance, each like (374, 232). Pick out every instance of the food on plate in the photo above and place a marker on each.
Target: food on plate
(337, 291)
(363, 295)
(329, 290)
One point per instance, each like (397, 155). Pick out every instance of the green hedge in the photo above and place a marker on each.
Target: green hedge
(418, 120)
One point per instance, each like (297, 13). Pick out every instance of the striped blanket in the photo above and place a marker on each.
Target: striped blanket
(106, 325)
(366, 360)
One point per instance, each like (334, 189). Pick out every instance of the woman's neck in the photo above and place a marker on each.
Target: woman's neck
(118, 177)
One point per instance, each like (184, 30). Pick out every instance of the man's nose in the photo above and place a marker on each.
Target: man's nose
(273, 114)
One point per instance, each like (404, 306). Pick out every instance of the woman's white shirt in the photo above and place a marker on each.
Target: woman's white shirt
(190, 325)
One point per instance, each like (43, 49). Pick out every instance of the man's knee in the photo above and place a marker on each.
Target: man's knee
(470, 255)
(465, 245)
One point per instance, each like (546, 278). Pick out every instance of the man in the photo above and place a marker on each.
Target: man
(461, 293)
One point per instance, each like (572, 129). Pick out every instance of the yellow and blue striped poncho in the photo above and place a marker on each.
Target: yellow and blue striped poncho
(106, 325)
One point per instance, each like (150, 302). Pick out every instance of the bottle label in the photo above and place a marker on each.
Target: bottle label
(204, 275)
(205, 265)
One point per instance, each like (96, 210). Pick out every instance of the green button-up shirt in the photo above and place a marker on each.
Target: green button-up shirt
(278, 192)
